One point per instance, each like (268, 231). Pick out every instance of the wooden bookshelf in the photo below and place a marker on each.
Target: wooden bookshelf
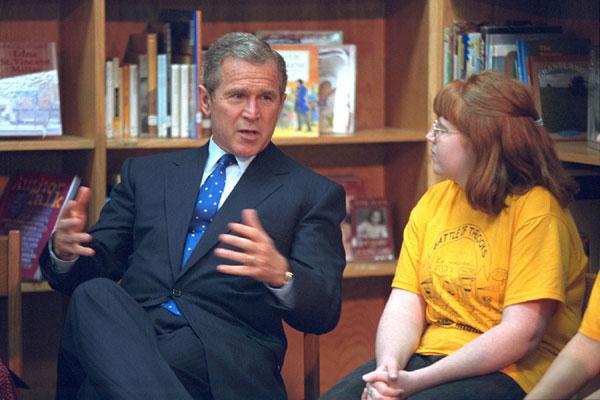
(399, 47)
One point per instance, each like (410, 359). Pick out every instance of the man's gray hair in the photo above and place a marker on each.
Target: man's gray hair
(243, 46)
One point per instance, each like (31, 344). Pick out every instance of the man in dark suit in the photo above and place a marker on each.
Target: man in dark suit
(209, 327)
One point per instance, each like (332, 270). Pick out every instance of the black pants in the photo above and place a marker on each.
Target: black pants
(491, 386)
(112, 348)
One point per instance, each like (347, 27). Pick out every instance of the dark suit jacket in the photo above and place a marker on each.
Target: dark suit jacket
(141, 232)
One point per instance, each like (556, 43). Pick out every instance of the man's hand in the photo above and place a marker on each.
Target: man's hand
(69, 233)
(258, 257)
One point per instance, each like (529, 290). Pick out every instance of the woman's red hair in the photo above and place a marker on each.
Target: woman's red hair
(498, 117)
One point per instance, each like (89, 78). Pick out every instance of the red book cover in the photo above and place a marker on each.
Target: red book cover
(32, 203)
(372, 229)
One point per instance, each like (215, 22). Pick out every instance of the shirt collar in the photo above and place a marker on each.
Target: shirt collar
(215, 152)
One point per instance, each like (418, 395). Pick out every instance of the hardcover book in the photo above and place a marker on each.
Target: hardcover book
(300, 114)
(145, 45)
(337, 89)
(29, 89)
(560, 88)
(32, 204)
(372, 229)
(551, 46)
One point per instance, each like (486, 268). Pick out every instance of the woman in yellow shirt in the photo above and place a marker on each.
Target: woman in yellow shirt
(578, 362)
(489, 282)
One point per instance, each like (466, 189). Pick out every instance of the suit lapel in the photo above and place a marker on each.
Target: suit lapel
(182, 181)
(258, 182)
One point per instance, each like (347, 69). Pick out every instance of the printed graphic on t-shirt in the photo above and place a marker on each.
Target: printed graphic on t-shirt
(458, 282)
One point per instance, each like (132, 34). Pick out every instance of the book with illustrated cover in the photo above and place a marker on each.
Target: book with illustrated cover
(560, 87)
(337, 89)
(300, 114)
(547, 46)
(331, 37)
(372, 229)
(32, 203)
(29, 89)
(354, 189)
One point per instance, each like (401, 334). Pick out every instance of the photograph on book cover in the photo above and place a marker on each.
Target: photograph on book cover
(29, 89)
(337, 89)
(560, 87)
(300, 114)
(372, 229)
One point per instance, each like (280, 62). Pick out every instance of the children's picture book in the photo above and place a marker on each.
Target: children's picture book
(337, 89)
(32, 203)
(547, 46)
(300, 114)
(355, 189)
(331, 37)
(372, 229)
(560, 87)
(29, 89)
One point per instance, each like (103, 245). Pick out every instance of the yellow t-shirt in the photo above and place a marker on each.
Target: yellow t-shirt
(590, 326)
(469, 265)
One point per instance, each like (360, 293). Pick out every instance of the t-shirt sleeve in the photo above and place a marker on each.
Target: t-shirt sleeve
(539, 260)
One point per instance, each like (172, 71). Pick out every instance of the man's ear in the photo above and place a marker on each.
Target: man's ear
(204, 99)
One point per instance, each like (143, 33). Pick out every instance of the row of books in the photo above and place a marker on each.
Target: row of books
(29, 89)
(150, 90)
(31, 202)
(321, 89)
(553, 63)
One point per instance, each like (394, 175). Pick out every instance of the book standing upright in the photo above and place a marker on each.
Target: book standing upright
(29, 89)
(300, 115)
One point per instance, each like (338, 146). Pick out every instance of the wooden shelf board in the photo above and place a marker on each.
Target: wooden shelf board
(63, 142)
(577, 151)
(153, 143)
(355, 269)
(28, 287)
(380, 135)
(362, 269)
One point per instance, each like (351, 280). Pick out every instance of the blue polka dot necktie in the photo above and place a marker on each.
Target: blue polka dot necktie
(204, 212)
(206, 205)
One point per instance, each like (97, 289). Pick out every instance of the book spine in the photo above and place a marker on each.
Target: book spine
(125, 101)
(117, 97)
(162, 95)
(143, 94)
(193, 102)
(175, 97)
(185, 101)
(109, 100)
(133, 101)
(197, 123)
(152, 85)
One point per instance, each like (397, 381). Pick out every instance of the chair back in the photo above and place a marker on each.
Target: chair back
(10, 287)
